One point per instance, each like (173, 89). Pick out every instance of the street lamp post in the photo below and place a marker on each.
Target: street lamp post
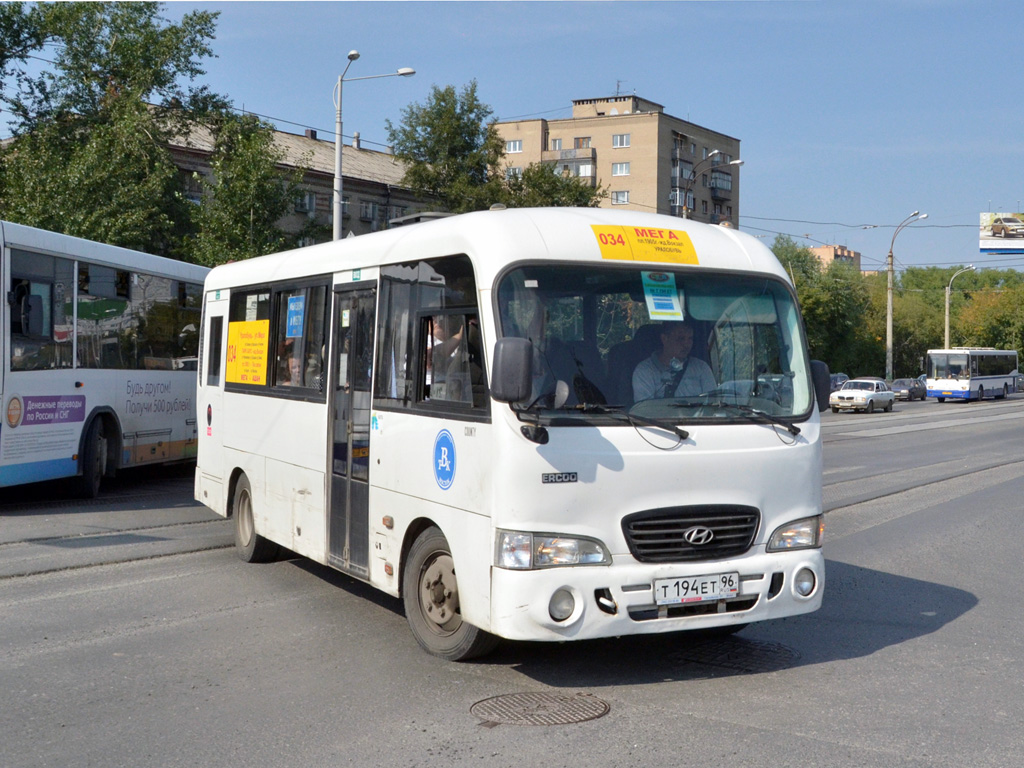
(949, 288)
(915, 216)
(352, 56)
(709, 160)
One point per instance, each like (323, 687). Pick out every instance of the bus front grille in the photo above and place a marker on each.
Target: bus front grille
(691, 534)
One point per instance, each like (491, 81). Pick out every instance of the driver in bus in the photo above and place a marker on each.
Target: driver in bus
(671, 371)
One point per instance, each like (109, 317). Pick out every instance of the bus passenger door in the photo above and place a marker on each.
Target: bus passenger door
(348, 529)
(210, 413)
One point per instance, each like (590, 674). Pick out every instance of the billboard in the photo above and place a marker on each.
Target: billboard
(1002, 233)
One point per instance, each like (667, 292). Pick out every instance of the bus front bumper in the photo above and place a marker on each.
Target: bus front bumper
(610, 601)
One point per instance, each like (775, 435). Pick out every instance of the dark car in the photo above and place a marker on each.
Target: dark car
(909, 389)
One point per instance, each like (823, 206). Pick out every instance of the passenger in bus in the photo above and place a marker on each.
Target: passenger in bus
(672, 371)
(293, 373)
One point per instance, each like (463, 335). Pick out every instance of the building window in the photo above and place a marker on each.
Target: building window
(513, 146)
(705, 157)
(620, 169)
(620, 198)
(513, 173)
(586, 170)
(703, 206)
(693, 148)
(620, 140)
(581, 142)
(556, 145)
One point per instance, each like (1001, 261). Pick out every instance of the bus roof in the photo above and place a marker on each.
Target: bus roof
(496, 238)
(55, 244)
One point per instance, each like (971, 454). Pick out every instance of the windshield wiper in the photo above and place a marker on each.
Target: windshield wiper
(746, 410)
(619, 412)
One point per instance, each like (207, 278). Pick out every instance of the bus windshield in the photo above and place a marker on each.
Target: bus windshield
(948, 366)
(674, 345)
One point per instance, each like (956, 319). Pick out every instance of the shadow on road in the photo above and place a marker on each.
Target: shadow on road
(864, 611)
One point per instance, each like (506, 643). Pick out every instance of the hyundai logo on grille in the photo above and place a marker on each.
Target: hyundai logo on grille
(698, 535)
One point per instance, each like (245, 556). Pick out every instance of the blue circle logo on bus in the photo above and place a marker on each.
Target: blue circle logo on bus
(444, 459)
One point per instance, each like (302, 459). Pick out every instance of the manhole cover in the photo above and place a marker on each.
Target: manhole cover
(539, 709)
(739, 655)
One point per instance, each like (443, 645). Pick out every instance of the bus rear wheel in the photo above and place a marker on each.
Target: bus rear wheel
(94, 461)
(430, 594)
(250, 546)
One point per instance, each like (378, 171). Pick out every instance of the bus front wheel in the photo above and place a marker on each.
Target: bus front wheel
(250, 546)
(430, 594)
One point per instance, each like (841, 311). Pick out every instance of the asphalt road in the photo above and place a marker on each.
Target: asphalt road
(130, 635)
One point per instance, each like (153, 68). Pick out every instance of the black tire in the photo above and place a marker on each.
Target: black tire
(981, 394)
(1006, 391)
(941, 399)
(871, 406)
(250, 546)
(431, 597)
(94, 461)
(834, 409)
(888, 407)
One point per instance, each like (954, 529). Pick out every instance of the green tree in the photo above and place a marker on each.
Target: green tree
(247, 195)
(90, 149)
(834, 302)
(454, 155)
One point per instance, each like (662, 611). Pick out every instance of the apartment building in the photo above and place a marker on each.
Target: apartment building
(644, 158)
(827, 254)
(372, 194)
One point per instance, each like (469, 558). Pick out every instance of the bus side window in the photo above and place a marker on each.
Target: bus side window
(214, 354)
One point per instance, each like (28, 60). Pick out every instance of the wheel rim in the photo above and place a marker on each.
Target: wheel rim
(439, 594)
(244, 512)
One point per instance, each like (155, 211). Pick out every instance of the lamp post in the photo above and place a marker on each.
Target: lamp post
(949, 288)
(915, 216)
(352, 56)
(709, 160)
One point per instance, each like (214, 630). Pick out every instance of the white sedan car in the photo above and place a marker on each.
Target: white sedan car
(862, 395)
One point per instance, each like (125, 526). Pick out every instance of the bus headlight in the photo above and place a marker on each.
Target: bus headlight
(523, 551)
(800, 534)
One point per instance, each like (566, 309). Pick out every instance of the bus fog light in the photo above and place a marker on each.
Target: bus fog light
(805, 582)
(562, 605)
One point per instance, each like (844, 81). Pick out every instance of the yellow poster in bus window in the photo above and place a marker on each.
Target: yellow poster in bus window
(645, 244)
(248, 347)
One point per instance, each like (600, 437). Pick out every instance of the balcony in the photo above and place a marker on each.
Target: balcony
(568, 155)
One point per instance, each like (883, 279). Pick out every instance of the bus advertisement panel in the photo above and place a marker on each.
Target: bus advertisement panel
(549, 424)
(99, 348)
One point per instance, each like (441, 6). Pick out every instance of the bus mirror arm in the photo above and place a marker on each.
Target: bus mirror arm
(820, 379)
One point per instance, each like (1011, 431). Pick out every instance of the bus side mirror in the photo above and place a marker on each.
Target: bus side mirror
(512, 372)
(820, 379)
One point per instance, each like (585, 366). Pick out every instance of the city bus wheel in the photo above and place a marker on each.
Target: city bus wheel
(250, 546)
(941, 399)
(981, 393)
(1006, 391)
(94, 461)
(431, 597)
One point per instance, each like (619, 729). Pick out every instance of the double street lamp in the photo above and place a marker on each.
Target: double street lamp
(915, 216)
(949, 288)
(352, 56)
(692, 177)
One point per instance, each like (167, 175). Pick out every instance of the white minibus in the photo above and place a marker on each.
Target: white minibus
(495, 416)
(99, 348)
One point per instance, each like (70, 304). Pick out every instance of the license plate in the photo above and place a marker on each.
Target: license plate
(696, 589)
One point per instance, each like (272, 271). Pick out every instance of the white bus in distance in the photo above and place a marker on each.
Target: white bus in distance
(447, 412)
(99, 347)
(971, 373)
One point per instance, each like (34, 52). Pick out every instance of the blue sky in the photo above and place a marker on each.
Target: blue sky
(849, 114)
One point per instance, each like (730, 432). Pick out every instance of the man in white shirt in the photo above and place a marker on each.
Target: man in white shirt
(671, 372)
